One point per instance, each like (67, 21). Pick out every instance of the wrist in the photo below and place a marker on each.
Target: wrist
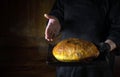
(111, 44)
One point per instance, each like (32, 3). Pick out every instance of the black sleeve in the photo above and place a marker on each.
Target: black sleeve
(114, 16)
(57, 11)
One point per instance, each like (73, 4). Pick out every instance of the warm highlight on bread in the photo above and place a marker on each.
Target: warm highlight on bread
(74, 49)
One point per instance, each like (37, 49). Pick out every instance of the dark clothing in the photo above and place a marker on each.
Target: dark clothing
(85, 71)
(92, 20)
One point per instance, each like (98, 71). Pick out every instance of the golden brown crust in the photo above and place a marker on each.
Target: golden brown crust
(74, 49)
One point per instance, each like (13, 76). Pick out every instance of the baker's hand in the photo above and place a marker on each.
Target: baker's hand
(104, 49)
(53, 27)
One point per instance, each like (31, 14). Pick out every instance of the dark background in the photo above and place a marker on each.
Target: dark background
(23, 49)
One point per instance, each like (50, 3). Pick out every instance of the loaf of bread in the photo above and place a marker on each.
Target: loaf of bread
(74, 49)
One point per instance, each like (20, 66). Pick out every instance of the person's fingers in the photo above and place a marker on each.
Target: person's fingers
(49, 34)
(48, 16)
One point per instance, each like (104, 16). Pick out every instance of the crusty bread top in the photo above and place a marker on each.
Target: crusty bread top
(74, 49)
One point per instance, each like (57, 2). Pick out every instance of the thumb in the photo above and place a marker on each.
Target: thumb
(48, 16)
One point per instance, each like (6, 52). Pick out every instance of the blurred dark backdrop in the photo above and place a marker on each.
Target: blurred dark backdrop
(23, 49)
